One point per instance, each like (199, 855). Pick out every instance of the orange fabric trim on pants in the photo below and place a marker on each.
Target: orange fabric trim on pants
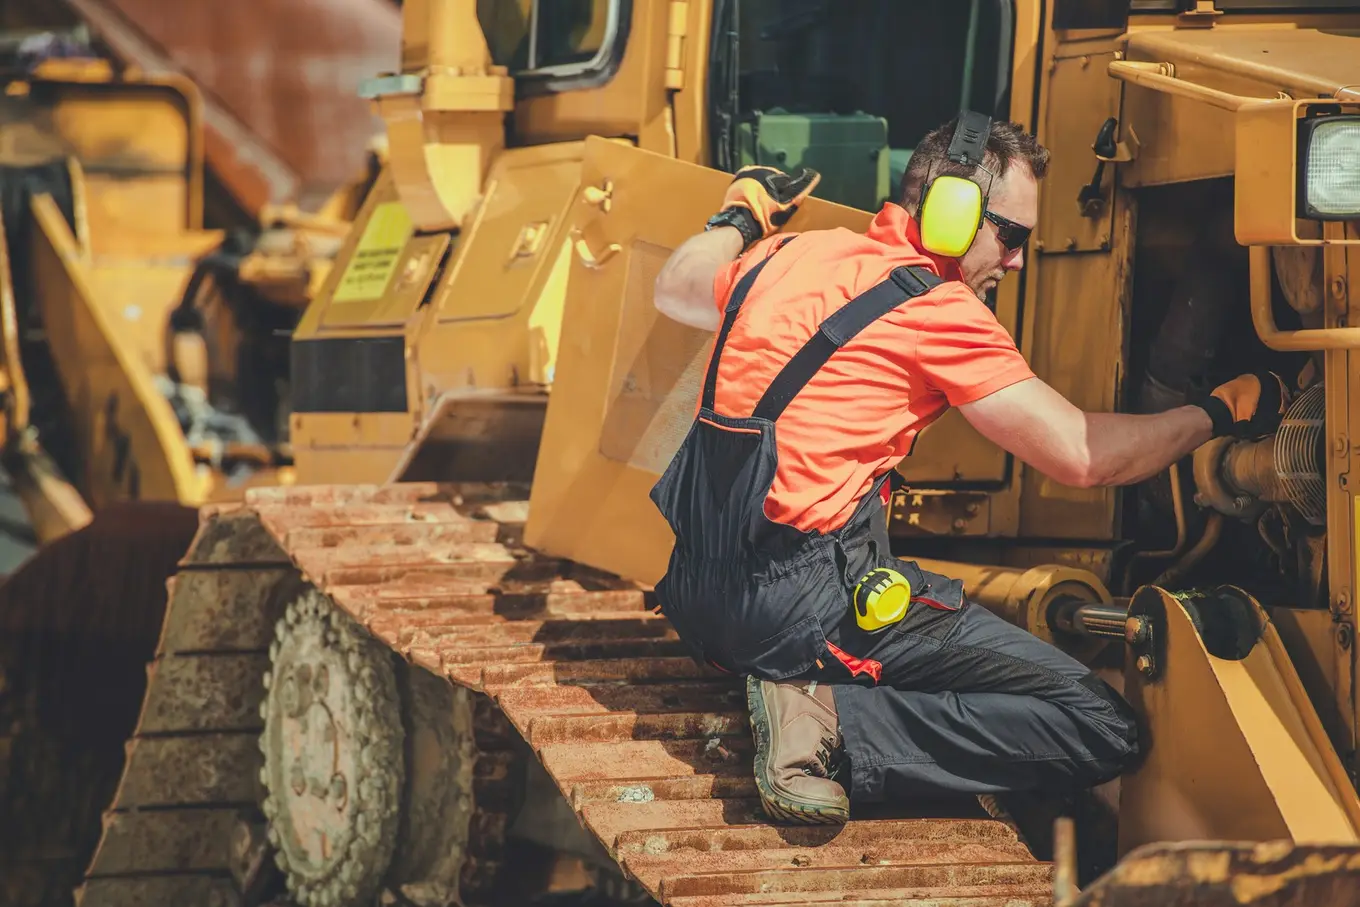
(857, 666)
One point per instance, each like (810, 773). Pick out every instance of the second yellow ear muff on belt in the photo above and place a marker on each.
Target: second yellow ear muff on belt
(881, 599)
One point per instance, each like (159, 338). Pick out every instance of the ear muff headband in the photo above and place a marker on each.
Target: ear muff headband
(951, 206)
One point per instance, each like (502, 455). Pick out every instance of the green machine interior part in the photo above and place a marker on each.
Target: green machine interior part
(898, 159)
(850, 151)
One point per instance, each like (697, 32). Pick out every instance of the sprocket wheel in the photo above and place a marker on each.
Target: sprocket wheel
(333, 755)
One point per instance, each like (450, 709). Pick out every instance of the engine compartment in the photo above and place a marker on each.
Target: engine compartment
(1250, 512)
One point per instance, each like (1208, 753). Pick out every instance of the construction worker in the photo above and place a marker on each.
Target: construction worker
(833, 351)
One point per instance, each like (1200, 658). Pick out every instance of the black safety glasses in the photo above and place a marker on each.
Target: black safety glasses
(1011, 234)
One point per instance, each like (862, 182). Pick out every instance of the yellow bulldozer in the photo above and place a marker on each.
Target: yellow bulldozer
(163, 235)
(146, 295)
(430, 673)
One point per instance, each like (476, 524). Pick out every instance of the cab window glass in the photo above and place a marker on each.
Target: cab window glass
(569, 31)
(526, 36)
(850, 86)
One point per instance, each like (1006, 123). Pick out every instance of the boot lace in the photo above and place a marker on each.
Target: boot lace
(830, 757)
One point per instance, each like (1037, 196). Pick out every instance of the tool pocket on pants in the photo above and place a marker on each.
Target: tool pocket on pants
(793, 651)
(935, 600)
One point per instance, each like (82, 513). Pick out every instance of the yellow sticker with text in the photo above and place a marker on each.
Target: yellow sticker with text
(376, 255)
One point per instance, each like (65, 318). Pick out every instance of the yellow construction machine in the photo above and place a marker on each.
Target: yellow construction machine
(395, 691)
(162, 242)
(143, 373)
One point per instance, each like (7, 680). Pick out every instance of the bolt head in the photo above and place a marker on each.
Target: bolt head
(1135, 629)
(1145, 665)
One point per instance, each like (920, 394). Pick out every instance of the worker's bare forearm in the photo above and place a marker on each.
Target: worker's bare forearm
(1037, 424)
(1125, 448)
(684, 288)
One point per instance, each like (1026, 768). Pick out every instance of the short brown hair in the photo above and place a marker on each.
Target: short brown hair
(1007, 145)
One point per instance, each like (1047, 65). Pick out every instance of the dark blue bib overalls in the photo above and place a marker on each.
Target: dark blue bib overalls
(950, 698)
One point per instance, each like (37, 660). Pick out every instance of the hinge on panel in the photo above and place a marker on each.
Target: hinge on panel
(676, 26)
(1200, 14)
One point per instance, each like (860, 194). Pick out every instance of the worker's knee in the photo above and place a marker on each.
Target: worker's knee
(1115, 741)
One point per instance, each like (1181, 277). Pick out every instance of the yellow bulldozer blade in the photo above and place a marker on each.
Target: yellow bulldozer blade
(53, 505)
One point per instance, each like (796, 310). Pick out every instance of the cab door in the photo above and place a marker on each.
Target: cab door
(627, 377)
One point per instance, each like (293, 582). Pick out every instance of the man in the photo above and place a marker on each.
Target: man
(834, 350)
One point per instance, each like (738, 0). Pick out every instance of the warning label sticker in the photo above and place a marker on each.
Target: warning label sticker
(376, 255)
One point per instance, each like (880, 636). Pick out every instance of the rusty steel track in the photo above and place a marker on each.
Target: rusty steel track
(78, 622)
(652, 751)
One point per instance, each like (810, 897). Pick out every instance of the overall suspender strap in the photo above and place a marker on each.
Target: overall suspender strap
(734, 302)
(837, 330)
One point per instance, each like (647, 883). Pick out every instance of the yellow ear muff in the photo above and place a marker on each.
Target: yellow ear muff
(881, 598)
(951, 213)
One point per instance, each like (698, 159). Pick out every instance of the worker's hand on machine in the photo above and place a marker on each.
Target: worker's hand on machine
(770, 196)
(1248, 406)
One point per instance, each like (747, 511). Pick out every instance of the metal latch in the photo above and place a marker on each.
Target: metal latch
(1108, 151)
(677, 24)
(590, 258)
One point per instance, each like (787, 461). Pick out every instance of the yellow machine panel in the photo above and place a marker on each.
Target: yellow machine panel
(1232, 725)
(135, 448)
(514, 238)
(369, 273)
(476, 314)
(489, 352)
(148, 126)
(627, 376)
(99, 288)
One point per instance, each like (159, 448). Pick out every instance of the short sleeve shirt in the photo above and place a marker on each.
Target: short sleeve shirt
(859, 415)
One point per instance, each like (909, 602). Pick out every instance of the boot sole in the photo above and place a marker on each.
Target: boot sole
(777, 806)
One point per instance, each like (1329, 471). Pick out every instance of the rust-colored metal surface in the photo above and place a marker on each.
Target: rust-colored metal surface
(1223, 874)
(190, 790)
(651, 751)
(279, 78)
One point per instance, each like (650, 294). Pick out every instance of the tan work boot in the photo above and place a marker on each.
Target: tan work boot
(797, 737)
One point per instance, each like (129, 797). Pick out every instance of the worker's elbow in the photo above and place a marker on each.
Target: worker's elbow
(682, 307)
(663, 291)
(1090, 474)
(1077, 471)
(670, 292)
(673, 306)
(1085, 477)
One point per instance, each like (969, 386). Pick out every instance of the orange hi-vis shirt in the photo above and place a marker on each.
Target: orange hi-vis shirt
(858, 417)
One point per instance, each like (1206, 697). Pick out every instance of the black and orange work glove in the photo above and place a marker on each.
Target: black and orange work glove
(1248, 406)
(760, 200)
